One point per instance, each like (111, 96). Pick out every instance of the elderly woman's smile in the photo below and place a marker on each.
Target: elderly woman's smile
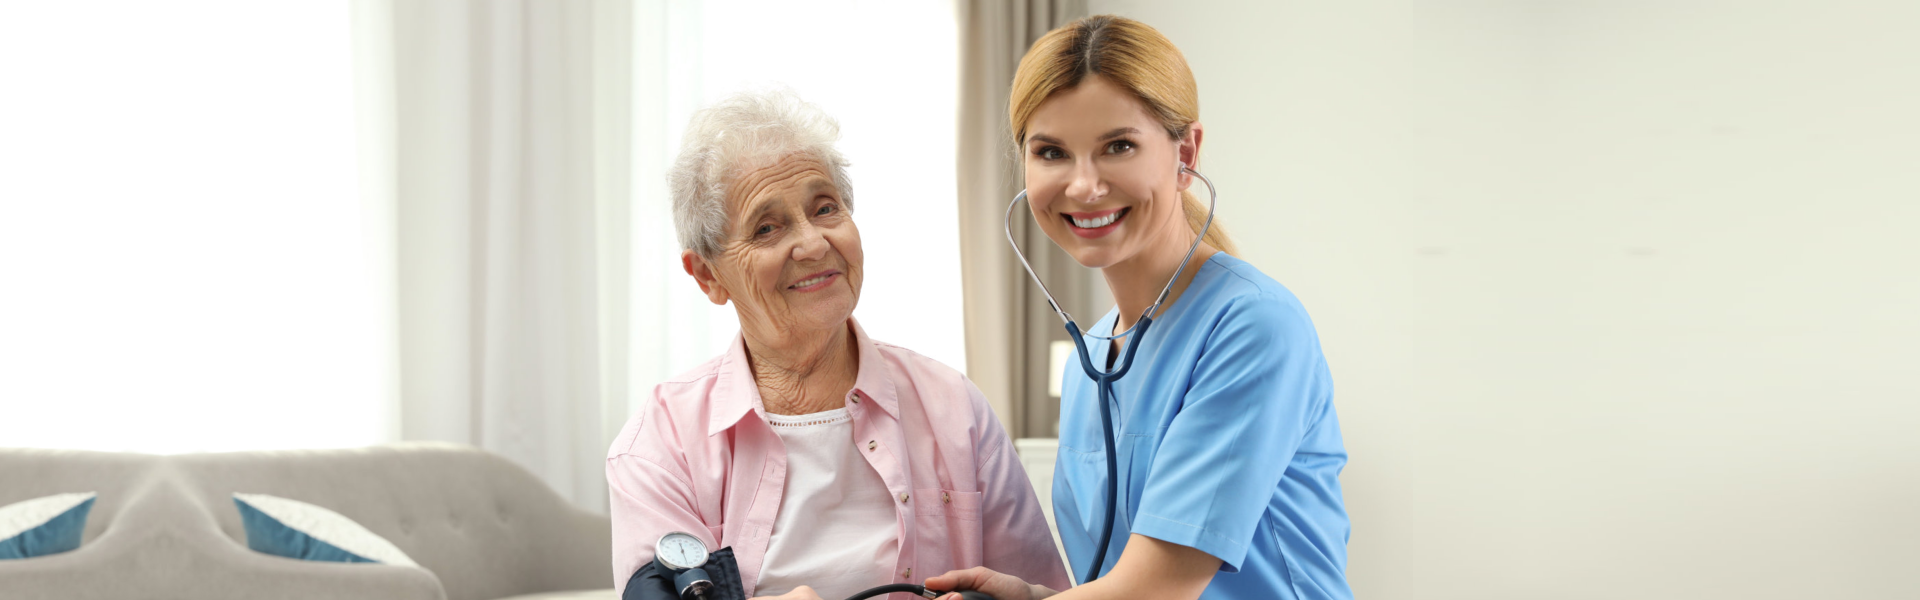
(815, 283)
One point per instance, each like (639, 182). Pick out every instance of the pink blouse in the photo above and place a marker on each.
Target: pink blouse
(701, 459)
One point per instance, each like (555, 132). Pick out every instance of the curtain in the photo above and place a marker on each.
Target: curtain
(506, 141)
(1009, 326)
(673, 327)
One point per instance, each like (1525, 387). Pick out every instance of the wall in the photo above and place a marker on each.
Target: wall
(1618, 295)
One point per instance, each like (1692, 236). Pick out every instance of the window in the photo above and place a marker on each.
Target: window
(186, 261)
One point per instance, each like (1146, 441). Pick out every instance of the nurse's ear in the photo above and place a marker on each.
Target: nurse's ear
(702, 272)
(1189, 154)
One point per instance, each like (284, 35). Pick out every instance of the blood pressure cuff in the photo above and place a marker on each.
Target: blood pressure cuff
(653, 582)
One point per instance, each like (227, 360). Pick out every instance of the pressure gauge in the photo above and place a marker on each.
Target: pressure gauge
(679, 550)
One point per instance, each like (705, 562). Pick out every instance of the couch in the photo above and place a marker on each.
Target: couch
(165, 527)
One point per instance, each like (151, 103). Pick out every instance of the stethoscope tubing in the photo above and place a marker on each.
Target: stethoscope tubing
(1104, 379)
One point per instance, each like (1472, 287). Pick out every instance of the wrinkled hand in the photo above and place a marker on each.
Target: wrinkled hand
(799, 593)
(999, 585)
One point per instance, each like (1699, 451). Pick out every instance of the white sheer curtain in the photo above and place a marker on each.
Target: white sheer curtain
(184, 263)
(505, 152)
(672, 327)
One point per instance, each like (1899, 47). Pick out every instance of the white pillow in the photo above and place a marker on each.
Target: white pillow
(44, 525)
(295, 529)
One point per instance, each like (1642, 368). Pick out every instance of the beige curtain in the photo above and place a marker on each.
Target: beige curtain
(506, 125)
(1009, 327)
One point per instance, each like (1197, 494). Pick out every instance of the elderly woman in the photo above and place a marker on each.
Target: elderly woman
(828, 461)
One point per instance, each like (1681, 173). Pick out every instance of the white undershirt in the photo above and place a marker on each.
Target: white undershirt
(837, 530)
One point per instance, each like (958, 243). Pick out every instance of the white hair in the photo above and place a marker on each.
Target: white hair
(745, 131)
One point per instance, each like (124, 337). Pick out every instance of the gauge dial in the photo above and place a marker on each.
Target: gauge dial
(680, 551)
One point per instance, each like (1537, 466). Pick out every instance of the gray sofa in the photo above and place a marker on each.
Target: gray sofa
(166, 527)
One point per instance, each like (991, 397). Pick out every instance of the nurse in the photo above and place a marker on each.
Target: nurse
(1229, 453)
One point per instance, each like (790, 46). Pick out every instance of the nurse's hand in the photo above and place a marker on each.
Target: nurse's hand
(981, 579)
(799, 593)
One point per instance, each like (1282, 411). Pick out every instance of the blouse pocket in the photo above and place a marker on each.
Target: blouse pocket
(948, 503)
(950, 530)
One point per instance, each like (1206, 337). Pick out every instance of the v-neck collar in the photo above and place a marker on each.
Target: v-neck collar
(1098, 349)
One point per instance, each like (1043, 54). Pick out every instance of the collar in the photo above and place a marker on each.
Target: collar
(737, 395)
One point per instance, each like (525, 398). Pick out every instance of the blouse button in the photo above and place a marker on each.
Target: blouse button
(946, 498)
(871, 445)
(903, 497)
(907, 575)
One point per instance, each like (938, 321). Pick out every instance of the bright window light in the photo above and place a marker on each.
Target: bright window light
(185, 260)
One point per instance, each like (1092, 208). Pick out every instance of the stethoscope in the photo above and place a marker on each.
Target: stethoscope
(1105, 379)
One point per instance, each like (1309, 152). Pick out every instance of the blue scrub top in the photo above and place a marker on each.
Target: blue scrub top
(1227, 442)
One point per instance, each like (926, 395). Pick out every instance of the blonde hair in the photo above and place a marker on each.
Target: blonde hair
(1131, 55)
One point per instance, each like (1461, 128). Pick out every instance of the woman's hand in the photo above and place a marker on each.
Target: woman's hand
(799, 593)
(981, 579)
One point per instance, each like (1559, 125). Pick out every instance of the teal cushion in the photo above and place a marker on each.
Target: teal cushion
(299, 530)
(45, 525)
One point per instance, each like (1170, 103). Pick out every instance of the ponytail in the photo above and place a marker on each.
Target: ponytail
(1196, 211)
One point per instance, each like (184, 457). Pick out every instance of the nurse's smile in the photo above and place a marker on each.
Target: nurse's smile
(1094, 225)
